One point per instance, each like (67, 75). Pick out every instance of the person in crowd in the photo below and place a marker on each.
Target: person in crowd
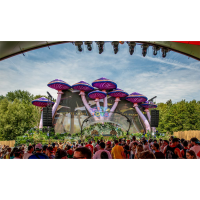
(97, 155)
(82, 153)
(171, 151)
(104, 155)
(190, 154)
(154, 141)
(97, 147)
(127, 149)
(139, 150)
(134, 150)
(117, 151)
(108, 146)
(179, 144)
(61, 154)
(170, 139)
(145, 145)
(147, 155)
(38, 154)
(131, 146)
(29, 153)
(18, 154)
(70, 152)
(164, 144)
(120, 142)
(182, 140)
(50, 152)
(160, 143)
(195, 146)
(7, 156)
(185, 148)
(89, 146)
(158, 154)
(12, 153)
(44, 149)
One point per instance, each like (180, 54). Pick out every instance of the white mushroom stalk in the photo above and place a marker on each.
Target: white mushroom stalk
(146, 123)
(99, 109)
(90, 110)
(41, 119)
(117, 99)
(55, 106)
(149, 118)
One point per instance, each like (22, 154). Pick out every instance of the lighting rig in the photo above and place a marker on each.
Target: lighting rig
(100, 46)
(79, 44)
(144, 49)
(89, 45)
(115, 46)
(131, 47)
(164, 52)
(155, 49)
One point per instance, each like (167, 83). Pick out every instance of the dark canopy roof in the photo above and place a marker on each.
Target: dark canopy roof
(12, 48)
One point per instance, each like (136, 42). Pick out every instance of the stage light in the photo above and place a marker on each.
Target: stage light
(115, 46)
(155, 50)
(100, 46)
(144, 49)
(79, 44)
(131, 47)
(89, 45)
(164, 52)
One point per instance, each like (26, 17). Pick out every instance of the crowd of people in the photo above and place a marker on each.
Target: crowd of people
(174, 148)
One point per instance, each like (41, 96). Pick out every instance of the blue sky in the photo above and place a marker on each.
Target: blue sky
(175, 77)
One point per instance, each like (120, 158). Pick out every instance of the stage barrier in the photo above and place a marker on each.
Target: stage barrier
(10, 143)
(187, 135)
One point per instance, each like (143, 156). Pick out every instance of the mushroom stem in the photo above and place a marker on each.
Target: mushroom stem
(149, 118)
(82, 93)
(105, 101)
(117, 99)
(55, 106)
(41, 119)
(99, 108)
(146, 123)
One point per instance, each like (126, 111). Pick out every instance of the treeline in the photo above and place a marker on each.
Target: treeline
(17, 114)
(180, 116)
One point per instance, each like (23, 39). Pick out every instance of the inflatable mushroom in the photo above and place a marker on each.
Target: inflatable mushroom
(41, 102)
(148, 105)
(136, 98)
(104, 84)
(58, 85)
(84, 87)
(118, 93)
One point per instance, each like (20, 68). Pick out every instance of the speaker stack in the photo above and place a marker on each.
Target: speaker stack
(47, 116)
(154, 118)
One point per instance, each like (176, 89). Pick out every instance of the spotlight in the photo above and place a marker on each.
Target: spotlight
(131, 47)
(144, 49)
(155, 49)
(89, 45)
(164, 52)
(100, 46)
(79, 44)
(115, 46)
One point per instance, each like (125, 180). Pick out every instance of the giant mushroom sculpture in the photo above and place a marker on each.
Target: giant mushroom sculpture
(104, 84)
(41, 102)
(84, 87)
(148, 105)
(118, 93)
(97, 95)
(136, 98)
(58, 85)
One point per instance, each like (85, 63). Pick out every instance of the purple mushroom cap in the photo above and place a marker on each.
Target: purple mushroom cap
(59, 85)
(41, 102)
(97, 94)
(136, 98)
(82, 86)
(104, 84)
(146, 104)
(118, 93)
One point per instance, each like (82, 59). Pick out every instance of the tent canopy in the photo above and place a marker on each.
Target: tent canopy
(12, 48)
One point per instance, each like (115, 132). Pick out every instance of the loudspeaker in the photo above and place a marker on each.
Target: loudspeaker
(47, 116)
(154, 118)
